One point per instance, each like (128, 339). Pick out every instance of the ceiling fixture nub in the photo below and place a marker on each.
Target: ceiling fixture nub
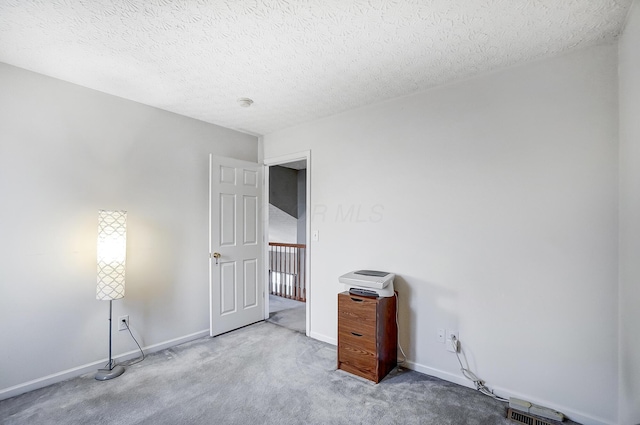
(245, 102)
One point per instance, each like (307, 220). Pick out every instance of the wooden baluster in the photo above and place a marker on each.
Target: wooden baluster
(294, 273)
(304, 275)
(270, 269)
(298, 274)
(279, 271)
(279, 257)
(275, 267)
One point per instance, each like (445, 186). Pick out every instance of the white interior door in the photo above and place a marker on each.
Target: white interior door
(235, 233)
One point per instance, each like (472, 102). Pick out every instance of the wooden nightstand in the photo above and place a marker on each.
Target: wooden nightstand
(367, 335)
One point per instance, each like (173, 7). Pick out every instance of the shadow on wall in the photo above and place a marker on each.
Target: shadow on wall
(407, 317)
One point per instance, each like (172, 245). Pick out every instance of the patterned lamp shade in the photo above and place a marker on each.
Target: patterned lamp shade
(112, 249)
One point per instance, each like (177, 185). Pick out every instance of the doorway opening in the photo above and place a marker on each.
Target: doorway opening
(287, 259)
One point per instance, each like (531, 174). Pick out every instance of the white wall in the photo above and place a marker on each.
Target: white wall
(65, 152)
(629, 73)
(283, 228)
(495, 202)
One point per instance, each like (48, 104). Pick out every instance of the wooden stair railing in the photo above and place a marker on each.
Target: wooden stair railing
(287, 270)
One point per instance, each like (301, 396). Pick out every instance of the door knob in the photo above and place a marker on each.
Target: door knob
(216, 255)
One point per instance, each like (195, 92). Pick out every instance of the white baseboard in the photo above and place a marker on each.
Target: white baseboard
(574, 415)
(323, 338)
(445, 376)
(94, 366)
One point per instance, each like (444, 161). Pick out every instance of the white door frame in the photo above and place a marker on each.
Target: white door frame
(269, 162)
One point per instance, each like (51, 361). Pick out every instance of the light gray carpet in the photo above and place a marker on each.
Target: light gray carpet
(261, 374)
(288, 313)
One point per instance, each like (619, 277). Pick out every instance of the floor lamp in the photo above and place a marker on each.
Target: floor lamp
(112, 248)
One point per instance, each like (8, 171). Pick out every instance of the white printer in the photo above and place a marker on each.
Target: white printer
(369, 283)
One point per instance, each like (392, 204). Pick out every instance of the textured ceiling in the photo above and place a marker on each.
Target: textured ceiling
(298, 60)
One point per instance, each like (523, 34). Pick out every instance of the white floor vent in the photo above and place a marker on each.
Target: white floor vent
(526, 419)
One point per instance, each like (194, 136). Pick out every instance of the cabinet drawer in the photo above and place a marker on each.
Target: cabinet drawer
(357, 358)
(360, 340)
(356, 308)
(362, 327)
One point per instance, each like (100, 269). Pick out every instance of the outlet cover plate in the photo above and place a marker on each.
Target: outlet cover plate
(121, 326)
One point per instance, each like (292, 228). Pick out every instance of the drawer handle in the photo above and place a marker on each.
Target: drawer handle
(356, 300)
(355, 334)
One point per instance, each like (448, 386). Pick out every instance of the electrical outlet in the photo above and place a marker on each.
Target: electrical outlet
(121, 322)
(450, 345)
(441, 334)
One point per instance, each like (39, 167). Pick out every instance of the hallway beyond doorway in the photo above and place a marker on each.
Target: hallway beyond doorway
(287, 313)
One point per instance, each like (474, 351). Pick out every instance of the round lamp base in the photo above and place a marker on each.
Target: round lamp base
(106, 374)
